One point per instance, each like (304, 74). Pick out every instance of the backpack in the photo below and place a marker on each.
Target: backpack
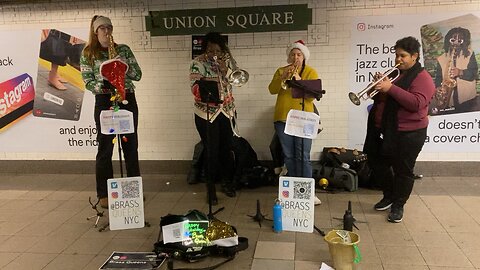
(245, 157)
(192, 251)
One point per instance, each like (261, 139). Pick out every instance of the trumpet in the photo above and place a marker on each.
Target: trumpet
(366, 93)
(284, 84)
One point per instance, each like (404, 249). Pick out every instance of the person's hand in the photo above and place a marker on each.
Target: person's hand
(455, 72)
(383, 85)
(222, 66)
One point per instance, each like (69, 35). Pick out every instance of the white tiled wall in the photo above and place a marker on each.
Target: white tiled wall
(166, 127)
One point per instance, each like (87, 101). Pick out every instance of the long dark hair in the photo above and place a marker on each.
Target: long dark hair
(92, 49)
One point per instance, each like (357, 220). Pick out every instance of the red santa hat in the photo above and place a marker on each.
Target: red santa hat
(299, 44)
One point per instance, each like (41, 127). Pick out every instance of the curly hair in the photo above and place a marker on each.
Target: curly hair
(409, 44)
(215, 38)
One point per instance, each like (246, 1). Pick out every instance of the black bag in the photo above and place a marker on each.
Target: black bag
(335, 157)
(245, 157)
(191, 252)
(257, 176)
(338, 177)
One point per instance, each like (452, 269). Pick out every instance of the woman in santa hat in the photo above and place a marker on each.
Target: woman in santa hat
(296, 160)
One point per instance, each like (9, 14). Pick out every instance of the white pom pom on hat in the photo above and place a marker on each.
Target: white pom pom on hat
(299, 44)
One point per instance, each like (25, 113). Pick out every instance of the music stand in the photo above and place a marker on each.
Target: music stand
(209, 92)
(209, 95)
(306, 89)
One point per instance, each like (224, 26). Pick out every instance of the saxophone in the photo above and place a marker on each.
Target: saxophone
(112, 52)
(444, 92)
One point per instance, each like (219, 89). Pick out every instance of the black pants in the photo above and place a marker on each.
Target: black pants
(103, 165)
(396, 171)
(217, 137)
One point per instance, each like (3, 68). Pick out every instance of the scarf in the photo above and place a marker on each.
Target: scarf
(389, 124)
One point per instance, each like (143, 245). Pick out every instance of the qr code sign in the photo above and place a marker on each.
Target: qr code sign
(124, 124)
(302, 190)
(130, 189)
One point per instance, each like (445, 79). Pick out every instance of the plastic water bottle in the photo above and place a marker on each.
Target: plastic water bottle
(277, 217)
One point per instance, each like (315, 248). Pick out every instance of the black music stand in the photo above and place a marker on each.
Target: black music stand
(306, 89)
(209, 95)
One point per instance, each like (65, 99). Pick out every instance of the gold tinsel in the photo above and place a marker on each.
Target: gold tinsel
(219, 230)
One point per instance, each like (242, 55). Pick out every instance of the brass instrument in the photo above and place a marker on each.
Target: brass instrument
(112, 52)
(284, 84)
(445, 91)
(367, 92)
(238, 77)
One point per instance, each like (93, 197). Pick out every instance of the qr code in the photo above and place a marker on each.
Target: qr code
(302, 190)
(124, 124)
(130, 189)
(308, 129)
(176, 233)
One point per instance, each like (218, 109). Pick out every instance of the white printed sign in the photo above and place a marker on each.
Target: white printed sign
(297, 199)
(125, 198)
(302, 124)
(188, 232)
(116, 122)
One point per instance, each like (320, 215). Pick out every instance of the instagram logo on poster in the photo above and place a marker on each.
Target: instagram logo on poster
(361, 26)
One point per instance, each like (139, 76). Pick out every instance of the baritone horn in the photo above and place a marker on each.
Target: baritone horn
(368, 92)
(238, 77)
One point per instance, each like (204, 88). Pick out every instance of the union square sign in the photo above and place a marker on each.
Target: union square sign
(229, 20)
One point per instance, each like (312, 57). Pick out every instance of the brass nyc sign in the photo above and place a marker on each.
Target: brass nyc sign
(229, 20)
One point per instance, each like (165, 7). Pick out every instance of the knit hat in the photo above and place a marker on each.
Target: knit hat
(299, 44)
(99, 21)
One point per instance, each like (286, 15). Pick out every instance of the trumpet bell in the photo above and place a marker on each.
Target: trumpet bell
(238, 77)
(354, 98)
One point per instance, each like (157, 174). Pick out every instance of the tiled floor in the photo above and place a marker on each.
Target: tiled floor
(43, 225)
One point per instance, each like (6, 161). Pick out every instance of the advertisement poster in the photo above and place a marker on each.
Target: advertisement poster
(448, 41)
(43, 103)
(296, 196)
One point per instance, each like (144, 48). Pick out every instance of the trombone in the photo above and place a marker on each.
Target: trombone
(366, 93)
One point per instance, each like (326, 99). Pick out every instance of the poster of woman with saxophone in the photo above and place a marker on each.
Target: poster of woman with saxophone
(453, 65)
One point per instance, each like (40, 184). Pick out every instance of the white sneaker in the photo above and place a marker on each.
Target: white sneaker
(317, 201)
(284, 171)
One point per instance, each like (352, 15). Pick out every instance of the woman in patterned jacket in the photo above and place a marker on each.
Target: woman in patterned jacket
(216, 118)
(94, 54)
